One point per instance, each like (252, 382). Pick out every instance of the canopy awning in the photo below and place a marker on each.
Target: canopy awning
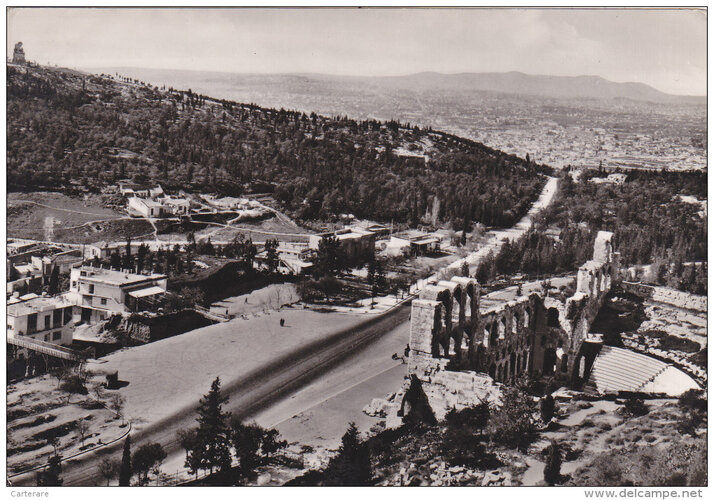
(145, 292)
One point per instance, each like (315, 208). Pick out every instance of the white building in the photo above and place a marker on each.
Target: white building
(99, 293)
(48, 319)
(145, 207)
(176, 206)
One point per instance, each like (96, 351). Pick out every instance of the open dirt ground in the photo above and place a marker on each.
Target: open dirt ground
(177, 371)
(37, 409)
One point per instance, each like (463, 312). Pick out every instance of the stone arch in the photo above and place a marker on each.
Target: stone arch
(550, 358)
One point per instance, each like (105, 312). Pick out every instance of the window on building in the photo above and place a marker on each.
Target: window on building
(47, 337)
(67, 314)
(57, 317)
(91, 288)
(32, 322)
(47, 322)
(104, 301)
(56, 335)
(74, 284)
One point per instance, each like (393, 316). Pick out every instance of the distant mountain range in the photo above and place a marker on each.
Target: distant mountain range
(566, 87)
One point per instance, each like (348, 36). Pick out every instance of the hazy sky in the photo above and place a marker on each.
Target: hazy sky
(663, 48)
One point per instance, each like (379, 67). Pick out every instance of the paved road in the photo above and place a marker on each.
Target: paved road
(262, 389)
(248, 394)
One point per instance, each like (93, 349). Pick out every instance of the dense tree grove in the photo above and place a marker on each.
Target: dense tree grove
(651, 225)
(69, 130)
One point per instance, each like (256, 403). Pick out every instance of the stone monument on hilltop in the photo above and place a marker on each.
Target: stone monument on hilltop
(18, 55)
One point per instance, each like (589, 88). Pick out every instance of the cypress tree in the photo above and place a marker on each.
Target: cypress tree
(53, 286)
(551, 473)
(351, 466)
(125, 469)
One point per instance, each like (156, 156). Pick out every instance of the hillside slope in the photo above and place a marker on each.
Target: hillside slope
(69, 129)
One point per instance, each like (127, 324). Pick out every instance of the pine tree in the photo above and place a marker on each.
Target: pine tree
(125, 469)
(212, 449)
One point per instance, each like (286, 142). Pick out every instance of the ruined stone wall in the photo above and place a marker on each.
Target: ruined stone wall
(668, 296)
(535, 335)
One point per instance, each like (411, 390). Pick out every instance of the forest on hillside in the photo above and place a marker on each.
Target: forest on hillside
(650, 222)
(68, 130)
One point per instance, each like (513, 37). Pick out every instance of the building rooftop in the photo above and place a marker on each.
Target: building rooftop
(113, 277)
(38, 304)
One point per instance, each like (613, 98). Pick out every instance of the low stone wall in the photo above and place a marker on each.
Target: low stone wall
(668, 296)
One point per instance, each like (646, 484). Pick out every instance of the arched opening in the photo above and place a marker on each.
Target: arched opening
(549, 360)
(492, 371)
(457, 311)
(553, 317)
(469, 302)
(564, 364)
(435, 349)
(526, 318)
(493, 334)
(452, 347)
(445, 298)
(501, 323)
(512, 364)
(514, 324)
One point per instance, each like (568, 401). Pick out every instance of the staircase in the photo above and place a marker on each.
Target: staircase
(616, 369)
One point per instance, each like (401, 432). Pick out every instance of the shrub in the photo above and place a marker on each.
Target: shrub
(634, 407)
(547, 408)
(512, 424)
(74, 384)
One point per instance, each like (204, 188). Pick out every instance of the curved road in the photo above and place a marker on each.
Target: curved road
(247, 395)
(263, 387)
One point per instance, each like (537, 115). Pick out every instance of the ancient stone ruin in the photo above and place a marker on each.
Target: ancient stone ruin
(18, 55)
(462, 343)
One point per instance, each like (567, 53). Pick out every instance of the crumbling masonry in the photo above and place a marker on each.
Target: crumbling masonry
(453, 338)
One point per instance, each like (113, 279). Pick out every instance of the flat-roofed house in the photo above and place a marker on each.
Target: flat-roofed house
(156, 192)
(145, 207)
(99, 293)
(176, 206)
(48, 319)
(356, 243)
(419, 242)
